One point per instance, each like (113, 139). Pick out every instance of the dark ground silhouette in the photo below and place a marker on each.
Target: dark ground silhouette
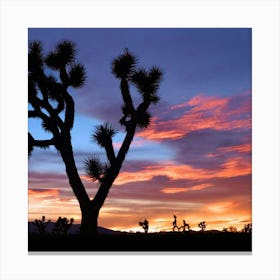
(159, 242)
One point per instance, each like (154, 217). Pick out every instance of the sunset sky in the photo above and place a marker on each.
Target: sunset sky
(194, 160)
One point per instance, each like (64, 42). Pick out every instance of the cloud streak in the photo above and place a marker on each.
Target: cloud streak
(179, 190)
(232, 167)
(202, 112)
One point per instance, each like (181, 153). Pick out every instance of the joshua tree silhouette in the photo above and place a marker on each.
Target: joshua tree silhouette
(144, 225)
(62, 225)
(247, 228)
(184, 226)
(41, 225)
(202, 226)
(45, 90)
(175, 223)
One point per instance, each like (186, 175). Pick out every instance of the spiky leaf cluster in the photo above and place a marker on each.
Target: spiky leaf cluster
(64, 54)
(35, 57)
(95, 169)
(103, 134)
(52, 87)
(147, 83)
(46, 125)
(77, 75)
(124, 65)
(144, 119)
(43, 87)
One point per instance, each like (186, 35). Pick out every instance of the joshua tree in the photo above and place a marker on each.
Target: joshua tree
(175, 223)
(41, 225)
(62, 225)
(50, 101)
(184, 226)
(202, 226)
(144, 225)
(247, 228)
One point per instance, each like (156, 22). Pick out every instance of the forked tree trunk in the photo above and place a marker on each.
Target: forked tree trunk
(90, 208)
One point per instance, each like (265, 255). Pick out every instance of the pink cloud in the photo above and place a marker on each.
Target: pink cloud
(245, 148)
(202, 112)
(178, 190)
(42, 193)
(232, 167)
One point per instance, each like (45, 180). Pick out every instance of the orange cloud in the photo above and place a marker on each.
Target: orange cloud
(233, 167)
(245, 148)
(205, 113)
(221, 207)
(42, 193)
(173, 190)
(182, 105)
(241, 149)
(178, 190)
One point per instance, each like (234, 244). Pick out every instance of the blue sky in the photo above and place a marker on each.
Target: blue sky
(201, 127)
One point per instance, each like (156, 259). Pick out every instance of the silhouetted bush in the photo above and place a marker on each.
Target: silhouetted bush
(247, 228)
(41, 225)
(62, 225)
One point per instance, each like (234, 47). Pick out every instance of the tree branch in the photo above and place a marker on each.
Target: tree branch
(44, 143)
(110, 152)
(143, 107)
(40, 143)
(69, 110)
(131, 128)
(126, 95)
(33, 114)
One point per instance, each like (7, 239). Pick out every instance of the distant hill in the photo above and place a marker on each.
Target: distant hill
(74, 229)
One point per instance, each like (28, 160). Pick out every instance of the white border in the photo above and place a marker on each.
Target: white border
(262, 16)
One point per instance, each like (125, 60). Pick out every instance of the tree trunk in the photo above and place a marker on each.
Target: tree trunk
(90, 209)
(89, 222)
(89, 216)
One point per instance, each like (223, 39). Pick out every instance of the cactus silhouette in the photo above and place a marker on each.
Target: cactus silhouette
(41, 225)
(202, 226)
(62, 225)
(145, 225)
(49, 79)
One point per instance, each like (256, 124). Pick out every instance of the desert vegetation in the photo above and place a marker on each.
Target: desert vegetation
(182, 239)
